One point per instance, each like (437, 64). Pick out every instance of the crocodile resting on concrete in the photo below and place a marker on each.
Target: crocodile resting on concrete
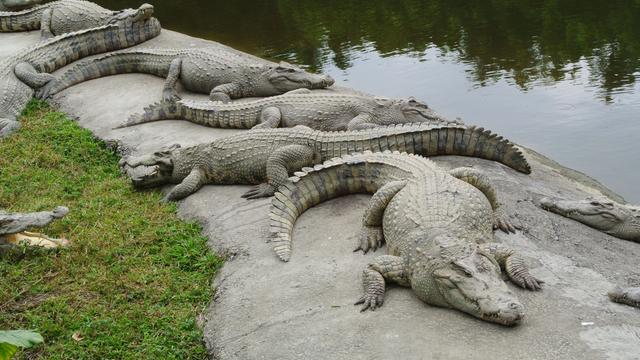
(437, 226)
(29, 69)
(628, 296)
(621, 221)
(13, 226)
(316, 110)
(223, 75)
(270, 155)
(13, 5)
(65, 16)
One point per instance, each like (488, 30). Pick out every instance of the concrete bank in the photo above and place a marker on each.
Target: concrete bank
(265, 309)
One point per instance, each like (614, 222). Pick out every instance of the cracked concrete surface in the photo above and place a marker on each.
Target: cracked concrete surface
(266, 309)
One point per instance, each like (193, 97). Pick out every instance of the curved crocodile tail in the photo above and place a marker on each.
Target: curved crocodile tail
(427, 139)
(350, 174)
(25, 20)
(163, 110)
(123, 62)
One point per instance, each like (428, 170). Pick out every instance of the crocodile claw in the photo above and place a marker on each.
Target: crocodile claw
(501, 221)
(370, 238)
(170, 95)
(370, 302)
(260, 191)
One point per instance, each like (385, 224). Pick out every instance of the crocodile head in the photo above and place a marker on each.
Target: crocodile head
(286, 77)
(609, 217)
(417, 111)
(152, 169)
(144, 12)
(470, 282)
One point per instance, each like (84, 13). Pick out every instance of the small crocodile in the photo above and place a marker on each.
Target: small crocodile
(13, 226)
(270, 155)
(222, 74)
(65, 16)
(29, 69)
(437, 226)
(628, 296)
(621, 221)
(316, 110)
(13, 5)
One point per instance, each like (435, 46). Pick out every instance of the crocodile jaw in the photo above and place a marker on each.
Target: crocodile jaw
(148, 171)
(601, 215)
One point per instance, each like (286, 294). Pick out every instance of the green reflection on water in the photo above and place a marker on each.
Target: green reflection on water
(524, 41)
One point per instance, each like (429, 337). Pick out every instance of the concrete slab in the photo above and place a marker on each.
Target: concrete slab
(265, 309)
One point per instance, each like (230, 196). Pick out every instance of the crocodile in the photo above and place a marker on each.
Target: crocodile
(316, 110)
(266, 156)
(222, 74)
(13, 226)
(65, 16)
(628, 296)
(13, 5)
(621, 221)
(30, 68)
(437, 225)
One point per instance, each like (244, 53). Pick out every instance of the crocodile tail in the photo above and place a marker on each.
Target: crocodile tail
(25, 20)
(429, 139)
(217, 114)
(340, 176)
(111, 64)
(163, 110)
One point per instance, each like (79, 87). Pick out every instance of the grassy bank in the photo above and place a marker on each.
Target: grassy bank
(135, 277)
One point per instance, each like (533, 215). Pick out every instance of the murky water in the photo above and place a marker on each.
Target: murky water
(560, 77)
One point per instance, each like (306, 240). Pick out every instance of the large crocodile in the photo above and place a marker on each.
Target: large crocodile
(316, 110)
(13, 5)
(65, 16)
(30, 67)
(621, 221)
(270, 155)
(13, 226)
(437, 226)
(222, 74)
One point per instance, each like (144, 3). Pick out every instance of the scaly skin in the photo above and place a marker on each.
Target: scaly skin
(65, 16)
(223, 75)
(29, 68)
(14, 5)
(270, 155)
(437, 226)
(319, 111)
(621, 221)
(628, 296)
(13, 226)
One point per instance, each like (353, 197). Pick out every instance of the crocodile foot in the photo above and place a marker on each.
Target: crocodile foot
(503, 222)
(370, 301)
(370, 238)
(170, 95)
(260, 191)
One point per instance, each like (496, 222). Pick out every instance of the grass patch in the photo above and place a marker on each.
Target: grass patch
(135, 277)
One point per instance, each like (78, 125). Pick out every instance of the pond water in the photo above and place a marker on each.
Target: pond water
(557, 76)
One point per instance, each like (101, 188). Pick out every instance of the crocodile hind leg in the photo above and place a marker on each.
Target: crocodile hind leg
(480, 181)
(45, 24)
(382, 267)
(192, 183)
(361, 122)
(8, 126)
(225, 92)
(169, 92)
(513, 264)
(269, 118)
(280, 163)
(371, 236)
(30, 76)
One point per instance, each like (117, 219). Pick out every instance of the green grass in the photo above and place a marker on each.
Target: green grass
(135, 277)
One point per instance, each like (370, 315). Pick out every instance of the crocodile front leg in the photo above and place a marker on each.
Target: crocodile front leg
(282, 162)
(225, 92)
(269, 118)
(480, 181)
(30, 76)
(371, 236)
(169, 92)
(513, 264)
(383, 267)
(360, 122)
(192, 183)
